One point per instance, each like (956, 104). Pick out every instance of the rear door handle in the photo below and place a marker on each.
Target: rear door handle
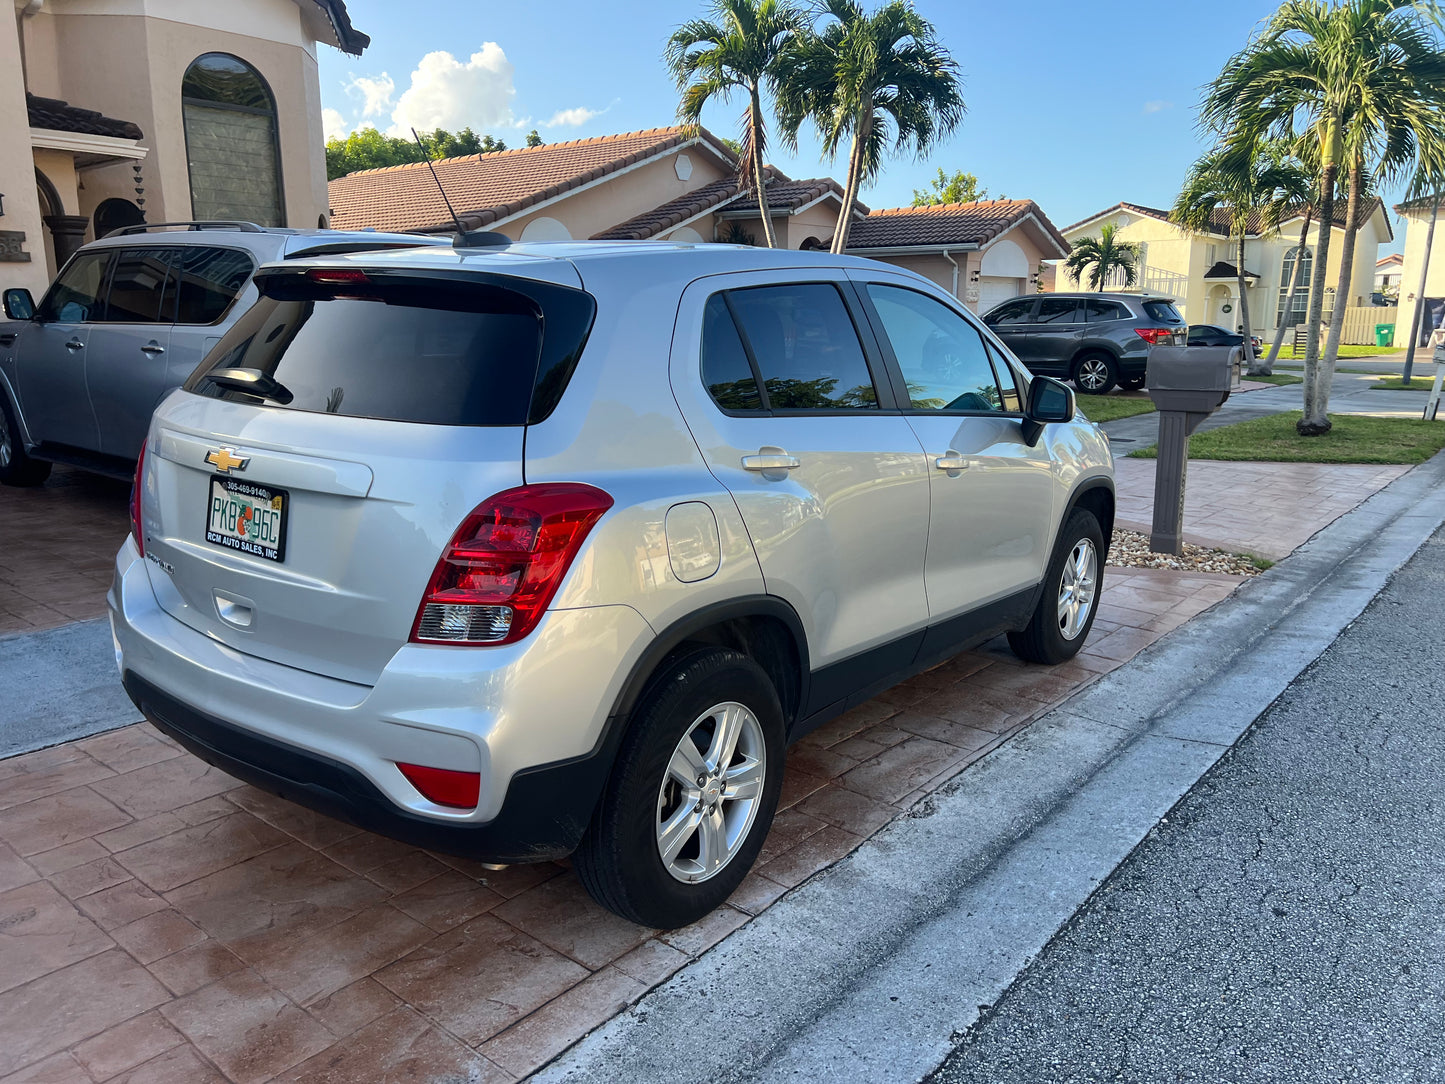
(951, 460)
(153, 347)
(75, 344)
(770, 459)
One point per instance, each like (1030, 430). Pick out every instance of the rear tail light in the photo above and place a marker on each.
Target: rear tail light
(137, 529)
(337, 276)
(1155, 335)
(443, 786)
(505, 562)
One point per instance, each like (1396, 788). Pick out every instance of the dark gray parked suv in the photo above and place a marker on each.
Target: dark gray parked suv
(1095, 340)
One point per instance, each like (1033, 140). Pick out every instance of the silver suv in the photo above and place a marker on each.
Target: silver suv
(519, 551)
(126, 321)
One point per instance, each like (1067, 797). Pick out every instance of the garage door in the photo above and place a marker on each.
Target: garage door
(995, 290)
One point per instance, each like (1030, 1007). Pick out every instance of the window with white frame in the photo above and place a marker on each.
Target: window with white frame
(1300, 309)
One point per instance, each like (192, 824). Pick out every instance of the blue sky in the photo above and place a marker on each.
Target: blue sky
(1074, 105)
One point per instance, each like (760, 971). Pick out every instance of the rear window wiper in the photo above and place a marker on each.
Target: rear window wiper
(252, 382)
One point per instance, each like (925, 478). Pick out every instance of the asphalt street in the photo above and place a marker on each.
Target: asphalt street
(1286, 920)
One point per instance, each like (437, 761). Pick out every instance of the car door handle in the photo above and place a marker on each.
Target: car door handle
(75, 344)
(153, 347)
(769, 459)
(8, 338)
(951, 460)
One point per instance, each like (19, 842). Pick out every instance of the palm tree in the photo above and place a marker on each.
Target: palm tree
(1251, 184)
(1105, 254)
(1366, 80)
(737, 51)
(869, 80)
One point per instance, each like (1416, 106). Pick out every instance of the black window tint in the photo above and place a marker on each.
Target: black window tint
(1058, 310)
(1016, 312)
(142, 287)
(73, 298)
(725, 369)
(806, 347)
(210, 279)
(431, 353)
(1164, 311)
(1097, 310)
(943, 359)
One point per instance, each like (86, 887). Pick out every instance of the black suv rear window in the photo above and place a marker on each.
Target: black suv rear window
(1163, 310)
(436, 351)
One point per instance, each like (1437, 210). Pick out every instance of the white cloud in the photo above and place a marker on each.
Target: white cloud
(374, 93)
(447, 93)
(572, 118)
(333, 125)
(1157, 106)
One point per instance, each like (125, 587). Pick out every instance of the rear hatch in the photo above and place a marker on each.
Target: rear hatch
(305, 480)
(1161, 313)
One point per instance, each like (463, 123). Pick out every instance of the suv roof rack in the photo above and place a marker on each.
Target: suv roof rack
(201, 224)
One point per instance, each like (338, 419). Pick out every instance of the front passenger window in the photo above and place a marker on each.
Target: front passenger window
(75, 296)
(945, 364)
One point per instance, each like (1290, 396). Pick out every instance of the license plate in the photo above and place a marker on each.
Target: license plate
(248, 518)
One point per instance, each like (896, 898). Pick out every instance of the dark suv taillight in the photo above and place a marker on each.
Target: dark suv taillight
(1155, 335)
(505, 562)
(137, 487)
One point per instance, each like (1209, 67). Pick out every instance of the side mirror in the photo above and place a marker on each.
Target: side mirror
(1049, 400)
(19, 305)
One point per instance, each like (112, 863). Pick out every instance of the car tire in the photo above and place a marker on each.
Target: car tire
(1132, 383)
(648, 809)
(1095, 373)
(17, 468)
(1070, 599)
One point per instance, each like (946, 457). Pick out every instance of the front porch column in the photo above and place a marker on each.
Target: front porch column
(68, 233)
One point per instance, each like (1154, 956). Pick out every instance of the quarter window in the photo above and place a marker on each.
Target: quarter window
(944, 362)
(229, 117)
(209, 280)
(1097, 311)
(804, 347)
(75, 296)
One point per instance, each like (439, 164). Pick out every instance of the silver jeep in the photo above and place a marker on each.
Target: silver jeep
(534, 549)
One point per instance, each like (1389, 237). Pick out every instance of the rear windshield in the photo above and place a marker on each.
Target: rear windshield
(1164, 311)
(437, 353)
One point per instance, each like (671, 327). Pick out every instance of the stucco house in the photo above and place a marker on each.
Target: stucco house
(114, 110)
(1198, 269)
(680, 184)
(1416, 215)
(1387, 273)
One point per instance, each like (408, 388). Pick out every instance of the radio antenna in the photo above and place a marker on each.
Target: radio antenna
(426, 154)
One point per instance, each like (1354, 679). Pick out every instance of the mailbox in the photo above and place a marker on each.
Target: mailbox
(1187, 384)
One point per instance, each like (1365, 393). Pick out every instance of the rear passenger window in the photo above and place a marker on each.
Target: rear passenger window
(1058, 310)
(725, 369)
(142, 287)
(804, 346)
(1097, 311)
(209, 280)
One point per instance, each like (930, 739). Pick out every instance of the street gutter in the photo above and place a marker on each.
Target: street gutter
(873, 969)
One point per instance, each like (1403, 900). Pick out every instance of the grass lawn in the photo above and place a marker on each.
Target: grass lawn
(1281, 379)
(1108, 408)
(1396, 382)
(1352, 440)
(1286, 353)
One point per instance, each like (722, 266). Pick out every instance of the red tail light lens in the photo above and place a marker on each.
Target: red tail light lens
(337, 276)
(137, 487)
(505, 562)
(1155, 335)
(443, 786)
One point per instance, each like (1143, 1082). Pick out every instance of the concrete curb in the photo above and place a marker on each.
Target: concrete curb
(868, 971)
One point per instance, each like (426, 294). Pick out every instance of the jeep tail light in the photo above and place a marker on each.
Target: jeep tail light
(505, 562)
(1155, 335)
(137, 529)
(443, 786)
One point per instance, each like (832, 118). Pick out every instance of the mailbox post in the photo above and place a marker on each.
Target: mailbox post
(1187, 384)
(1432, 404)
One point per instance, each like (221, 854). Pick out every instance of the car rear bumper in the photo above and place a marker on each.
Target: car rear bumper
(534, 725)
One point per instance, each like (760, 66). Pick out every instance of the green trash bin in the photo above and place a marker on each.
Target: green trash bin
(1384, 334)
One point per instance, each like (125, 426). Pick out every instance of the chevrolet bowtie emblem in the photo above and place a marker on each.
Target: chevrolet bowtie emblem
(226, 460)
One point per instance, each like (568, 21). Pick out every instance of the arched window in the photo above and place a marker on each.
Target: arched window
(1300, 309)
(230, 122)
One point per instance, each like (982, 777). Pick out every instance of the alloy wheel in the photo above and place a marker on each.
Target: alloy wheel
(1078, 588)
(710, 793)
(6, 451)
(1093, 373)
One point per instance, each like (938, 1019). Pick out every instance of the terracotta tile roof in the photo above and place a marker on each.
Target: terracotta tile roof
(1219, 224)
(720, 193)
(790, 195)
(61, 116)
(1392, 258)
(485, 188)
(948, 224)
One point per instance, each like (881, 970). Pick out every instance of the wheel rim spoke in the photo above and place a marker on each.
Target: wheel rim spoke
(725, 738)
(1078, 588)
(686, 765)
(744, 781)
(679, 828)
(712, 839)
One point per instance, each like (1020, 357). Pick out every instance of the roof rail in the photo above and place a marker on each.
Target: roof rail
(203, 224)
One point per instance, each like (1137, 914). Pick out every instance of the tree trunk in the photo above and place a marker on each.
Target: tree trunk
(1317, 409)
(1418, 316)
(1249, 359)
(1304, 236)
(760, 184)
(1319, 269)
(855, 181)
